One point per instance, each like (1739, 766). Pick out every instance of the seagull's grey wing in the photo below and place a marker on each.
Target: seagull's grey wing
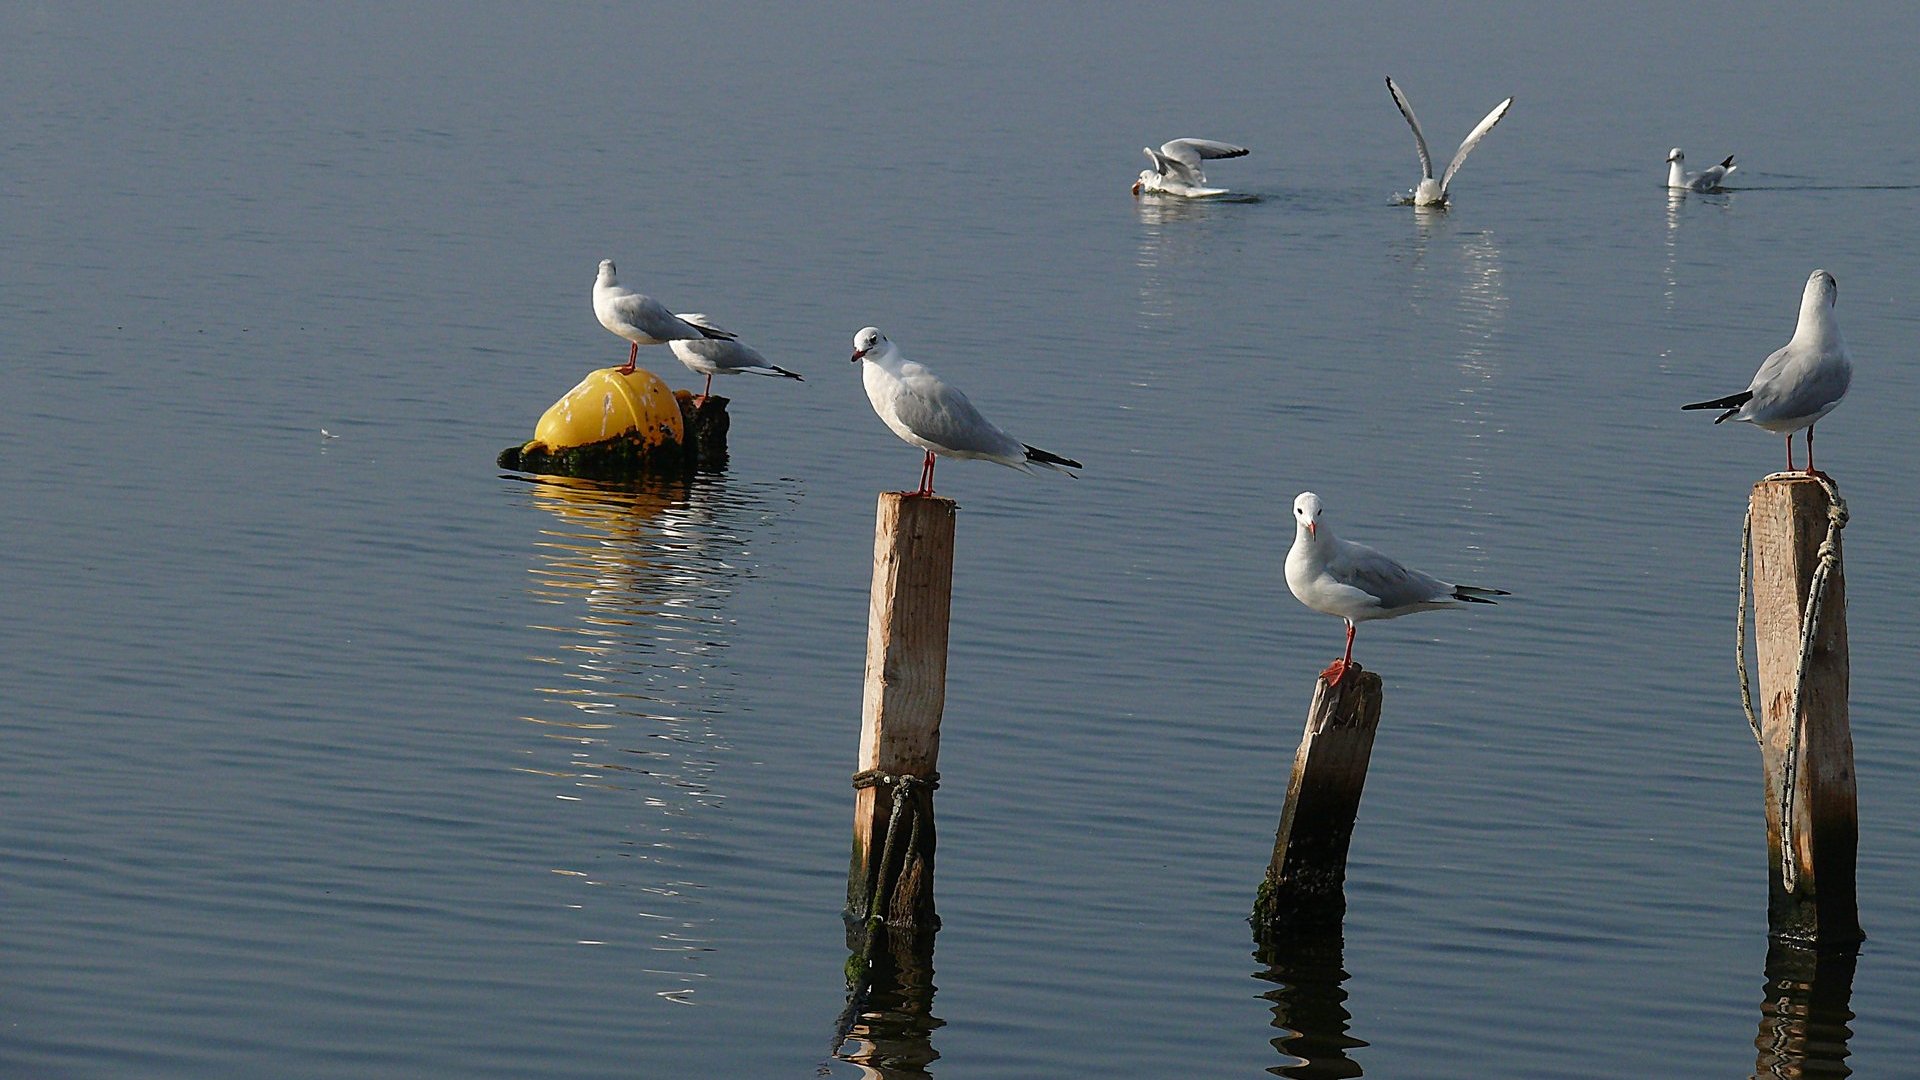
(939, 413)
(1393, 585)
(1772, 366)
(1801, 382)
(1473, 139)
(1195, 149)
(1419, 137)
(1167, 165)
(651, 317)
(1710, 179)
(713, 355)
(704, 322)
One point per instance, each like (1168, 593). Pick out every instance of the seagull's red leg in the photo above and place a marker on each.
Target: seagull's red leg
(701, 397)
(1789, 451)
(633, 354)
(926, 476)
(1811, 471)
(1338, 669)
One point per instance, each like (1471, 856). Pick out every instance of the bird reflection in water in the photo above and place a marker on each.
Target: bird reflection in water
(1175, 235)
(1468, 293)
(1309, 1006)
(634, 582)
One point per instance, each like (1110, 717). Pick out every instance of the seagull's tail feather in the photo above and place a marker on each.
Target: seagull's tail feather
(1731, 403)
(1728, 164)
(1052, 461)
(1474, 594)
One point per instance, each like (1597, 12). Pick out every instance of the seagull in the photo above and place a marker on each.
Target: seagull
(1707, 180)
(1433, 192)
(640, 318)
(719, 356)
(1176, 167)
(1339, 577)
(933, 415)
(1803, 380)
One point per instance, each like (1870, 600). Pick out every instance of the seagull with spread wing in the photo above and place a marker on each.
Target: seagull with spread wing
(1176, 167)
(1433, 192)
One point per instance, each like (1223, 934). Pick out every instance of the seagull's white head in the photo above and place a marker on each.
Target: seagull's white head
(1306, 513)
(606, 271)
(867, 340)
(1822, 284)
(1675, 155)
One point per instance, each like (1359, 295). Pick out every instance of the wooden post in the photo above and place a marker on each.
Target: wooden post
(1304, 886)
(890, 880)
(1788, 526)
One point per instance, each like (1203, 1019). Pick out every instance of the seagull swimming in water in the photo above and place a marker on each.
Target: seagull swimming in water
(1705, 180)
(929, 413)
(1357, 583)
(1803, 380)
(719, 356)
(1433, 192)
(1176, 167)
(640, 318)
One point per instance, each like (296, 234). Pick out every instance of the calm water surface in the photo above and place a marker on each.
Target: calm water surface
(354, 757)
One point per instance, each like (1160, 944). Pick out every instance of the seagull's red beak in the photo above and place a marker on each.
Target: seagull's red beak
(1313, 529)
(857, 354)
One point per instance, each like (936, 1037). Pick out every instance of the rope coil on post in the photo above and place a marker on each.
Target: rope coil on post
(1829, 554)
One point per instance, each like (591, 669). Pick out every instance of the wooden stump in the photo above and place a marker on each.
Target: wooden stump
(1788, 525)
(1304, 888)
(890, 879)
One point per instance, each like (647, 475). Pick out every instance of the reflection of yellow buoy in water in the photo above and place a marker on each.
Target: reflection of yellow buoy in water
(613, 425)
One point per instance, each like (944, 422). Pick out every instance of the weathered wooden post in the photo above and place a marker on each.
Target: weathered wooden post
(1800, 626)
(890, 880)
(1805, 1014)
(1304, 886)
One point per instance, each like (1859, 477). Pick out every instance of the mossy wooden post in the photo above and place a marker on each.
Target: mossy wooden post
(1788, 516)
(1304, 887)
(890, 880)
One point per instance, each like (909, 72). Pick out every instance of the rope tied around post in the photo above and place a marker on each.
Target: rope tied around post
(1829, 555)
(875, 778)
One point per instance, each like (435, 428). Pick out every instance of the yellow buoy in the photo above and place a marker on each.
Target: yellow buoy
(608, 404)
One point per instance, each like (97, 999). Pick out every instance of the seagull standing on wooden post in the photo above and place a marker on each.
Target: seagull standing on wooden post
(929, 413)
(1357, 583)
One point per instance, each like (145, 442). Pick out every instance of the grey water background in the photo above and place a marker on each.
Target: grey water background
(356, 757)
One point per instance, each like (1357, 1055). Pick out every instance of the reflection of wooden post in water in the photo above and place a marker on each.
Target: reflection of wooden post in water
(890, 880)
(1305, 880)
(1309, 1006)
(1804, 1016)
(887, 1028)
(1789, 524)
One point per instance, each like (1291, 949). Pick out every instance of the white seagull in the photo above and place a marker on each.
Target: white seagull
(1357, 583)
(1705, 180)
(1176, 167)
(931, 414)
(1803, 380)
(640, 318)
(719, 356)
(1433, 192)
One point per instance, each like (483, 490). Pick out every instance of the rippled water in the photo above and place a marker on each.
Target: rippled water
(353, 756)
